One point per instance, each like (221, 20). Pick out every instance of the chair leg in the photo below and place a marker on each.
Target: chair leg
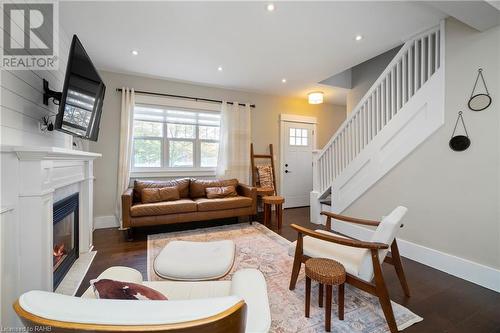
(320, 299)
(383, 295)
(295, 271)
(279, 215)
(398, 265)
(328, 308)
(341, 301)
(266, 215)
(308, 296)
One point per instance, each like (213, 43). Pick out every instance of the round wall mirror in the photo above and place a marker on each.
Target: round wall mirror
(479, 102)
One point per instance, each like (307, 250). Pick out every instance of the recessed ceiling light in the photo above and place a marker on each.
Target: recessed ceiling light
(135, 52)
(283, 80)
(359, 37)
(219, 68)
(270, 7)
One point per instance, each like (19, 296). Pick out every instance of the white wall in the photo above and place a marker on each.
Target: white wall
(453, 197)
(265, 125)
(21, 110)
(364, 75)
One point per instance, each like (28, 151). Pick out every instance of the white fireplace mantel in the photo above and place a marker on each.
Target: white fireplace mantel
(49, 153)
(39, 177)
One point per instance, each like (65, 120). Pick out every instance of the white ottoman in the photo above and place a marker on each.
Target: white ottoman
(195, 261)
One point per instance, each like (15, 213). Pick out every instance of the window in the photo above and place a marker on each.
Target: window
(298, 137)
(173, 139)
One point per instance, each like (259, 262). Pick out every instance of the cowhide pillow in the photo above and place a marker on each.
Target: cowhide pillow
(111, 289)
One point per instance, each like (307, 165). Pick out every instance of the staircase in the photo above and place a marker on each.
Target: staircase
(402, 109)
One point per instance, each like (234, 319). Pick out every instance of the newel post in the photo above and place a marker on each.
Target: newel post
(314, 195)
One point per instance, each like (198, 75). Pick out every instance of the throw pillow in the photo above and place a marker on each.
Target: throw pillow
(111, 289)
(265, 173)
(150, 195)
(221, 192)
(170, 193)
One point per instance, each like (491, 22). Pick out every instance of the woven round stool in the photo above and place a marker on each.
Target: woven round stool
(327, 272)
(269, 201)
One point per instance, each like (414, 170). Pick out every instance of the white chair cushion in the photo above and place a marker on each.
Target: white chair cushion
(388, 228)
(250, 285)
(353, 259)
(195, 261)
(121, 312)
(178, 290)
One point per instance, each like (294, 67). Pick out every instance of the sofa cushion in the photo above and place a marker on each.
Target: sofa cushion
(150, 195)
(163, 208)
(169, 193)
(112, 289)
(221, 192)
(205, 205)
(197, 187)
(182, 184)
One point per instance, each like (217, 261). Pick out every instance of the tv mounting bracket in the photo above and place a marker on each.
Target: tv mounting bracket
(48, 94)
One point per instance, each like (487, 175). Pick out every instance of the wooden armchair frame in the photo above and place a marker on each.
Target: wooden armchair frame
(378, 287)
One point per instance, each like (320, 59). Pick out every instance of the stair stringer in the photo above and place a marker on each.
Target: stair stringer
(417, 120)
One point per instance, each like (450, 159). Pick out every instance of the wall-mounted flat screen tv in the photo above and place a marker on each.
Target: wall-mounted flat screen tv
(80, 106)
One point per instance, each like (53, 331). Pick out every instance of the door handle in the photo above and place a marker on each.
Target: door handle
(286, 171)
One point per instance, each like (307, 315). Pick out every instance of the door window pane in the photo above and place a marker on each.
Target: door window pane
(298, 137)
(181, 154)
(209, 153)
(147, 153)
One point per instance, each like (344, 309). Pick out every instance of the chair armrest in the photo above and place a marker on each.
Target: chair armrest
(340, 240)
(127, 202)
(344, 218)
(250, 284)
(249, 192)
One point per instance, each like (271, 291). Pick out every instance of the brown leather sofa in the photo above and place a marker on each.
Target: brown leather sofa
(193, 204)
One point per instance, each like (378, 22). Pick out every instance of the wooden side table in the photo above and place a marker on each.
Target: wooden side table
(327, 272)
(277, 201)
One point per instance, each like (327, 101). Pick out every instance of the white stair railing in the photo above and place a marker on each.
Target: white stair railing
(415, 63)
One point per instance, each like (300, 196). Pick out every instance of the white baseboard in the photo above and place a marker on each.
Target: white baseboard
(482, 275)
(109, 221)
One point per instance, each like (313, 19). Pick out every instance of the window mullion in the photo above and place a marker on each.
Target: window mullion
(165, 146)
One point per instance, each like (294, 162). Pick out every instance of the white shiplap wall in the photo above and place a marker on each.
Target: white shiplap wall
(21, 111)
(21, 103)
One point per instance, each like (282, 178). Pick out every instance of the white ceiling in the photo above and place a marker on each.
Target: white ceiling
(304, 42)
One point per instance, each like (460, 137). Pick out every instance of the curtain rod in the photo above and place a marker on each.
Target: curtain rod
(184, 97)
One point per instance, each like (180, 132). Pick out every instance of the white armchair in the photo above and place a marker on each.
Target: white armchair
(362, 260)
(239, 305)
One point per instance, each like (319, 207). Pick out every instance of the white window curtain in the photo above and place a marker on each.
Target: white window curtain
(234, 145)
(125, 153)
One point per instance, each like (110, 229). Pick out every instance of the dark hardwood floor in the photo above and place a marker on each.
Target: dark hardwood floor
(447, 303)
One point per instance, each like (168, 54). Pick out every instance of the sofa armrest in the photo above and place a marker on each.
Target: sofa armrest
(250, 285)
(249, 192)
(127, 202)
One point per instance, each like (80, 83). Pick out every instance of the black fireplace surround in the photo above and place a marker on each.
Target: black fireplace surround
(65, 236)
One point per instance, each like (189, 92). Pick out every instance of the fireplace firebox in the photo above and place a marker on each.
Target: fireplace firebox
(65, 236)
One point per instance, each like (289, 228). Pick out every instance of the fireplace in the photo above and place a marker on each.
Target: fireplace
(65, 236)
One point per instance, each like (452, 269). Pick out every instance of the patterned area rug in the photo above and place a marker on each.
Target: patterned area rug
(260, 248)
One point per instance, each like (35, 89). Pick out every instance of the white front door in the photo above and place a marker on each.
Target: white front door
(296, 168)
